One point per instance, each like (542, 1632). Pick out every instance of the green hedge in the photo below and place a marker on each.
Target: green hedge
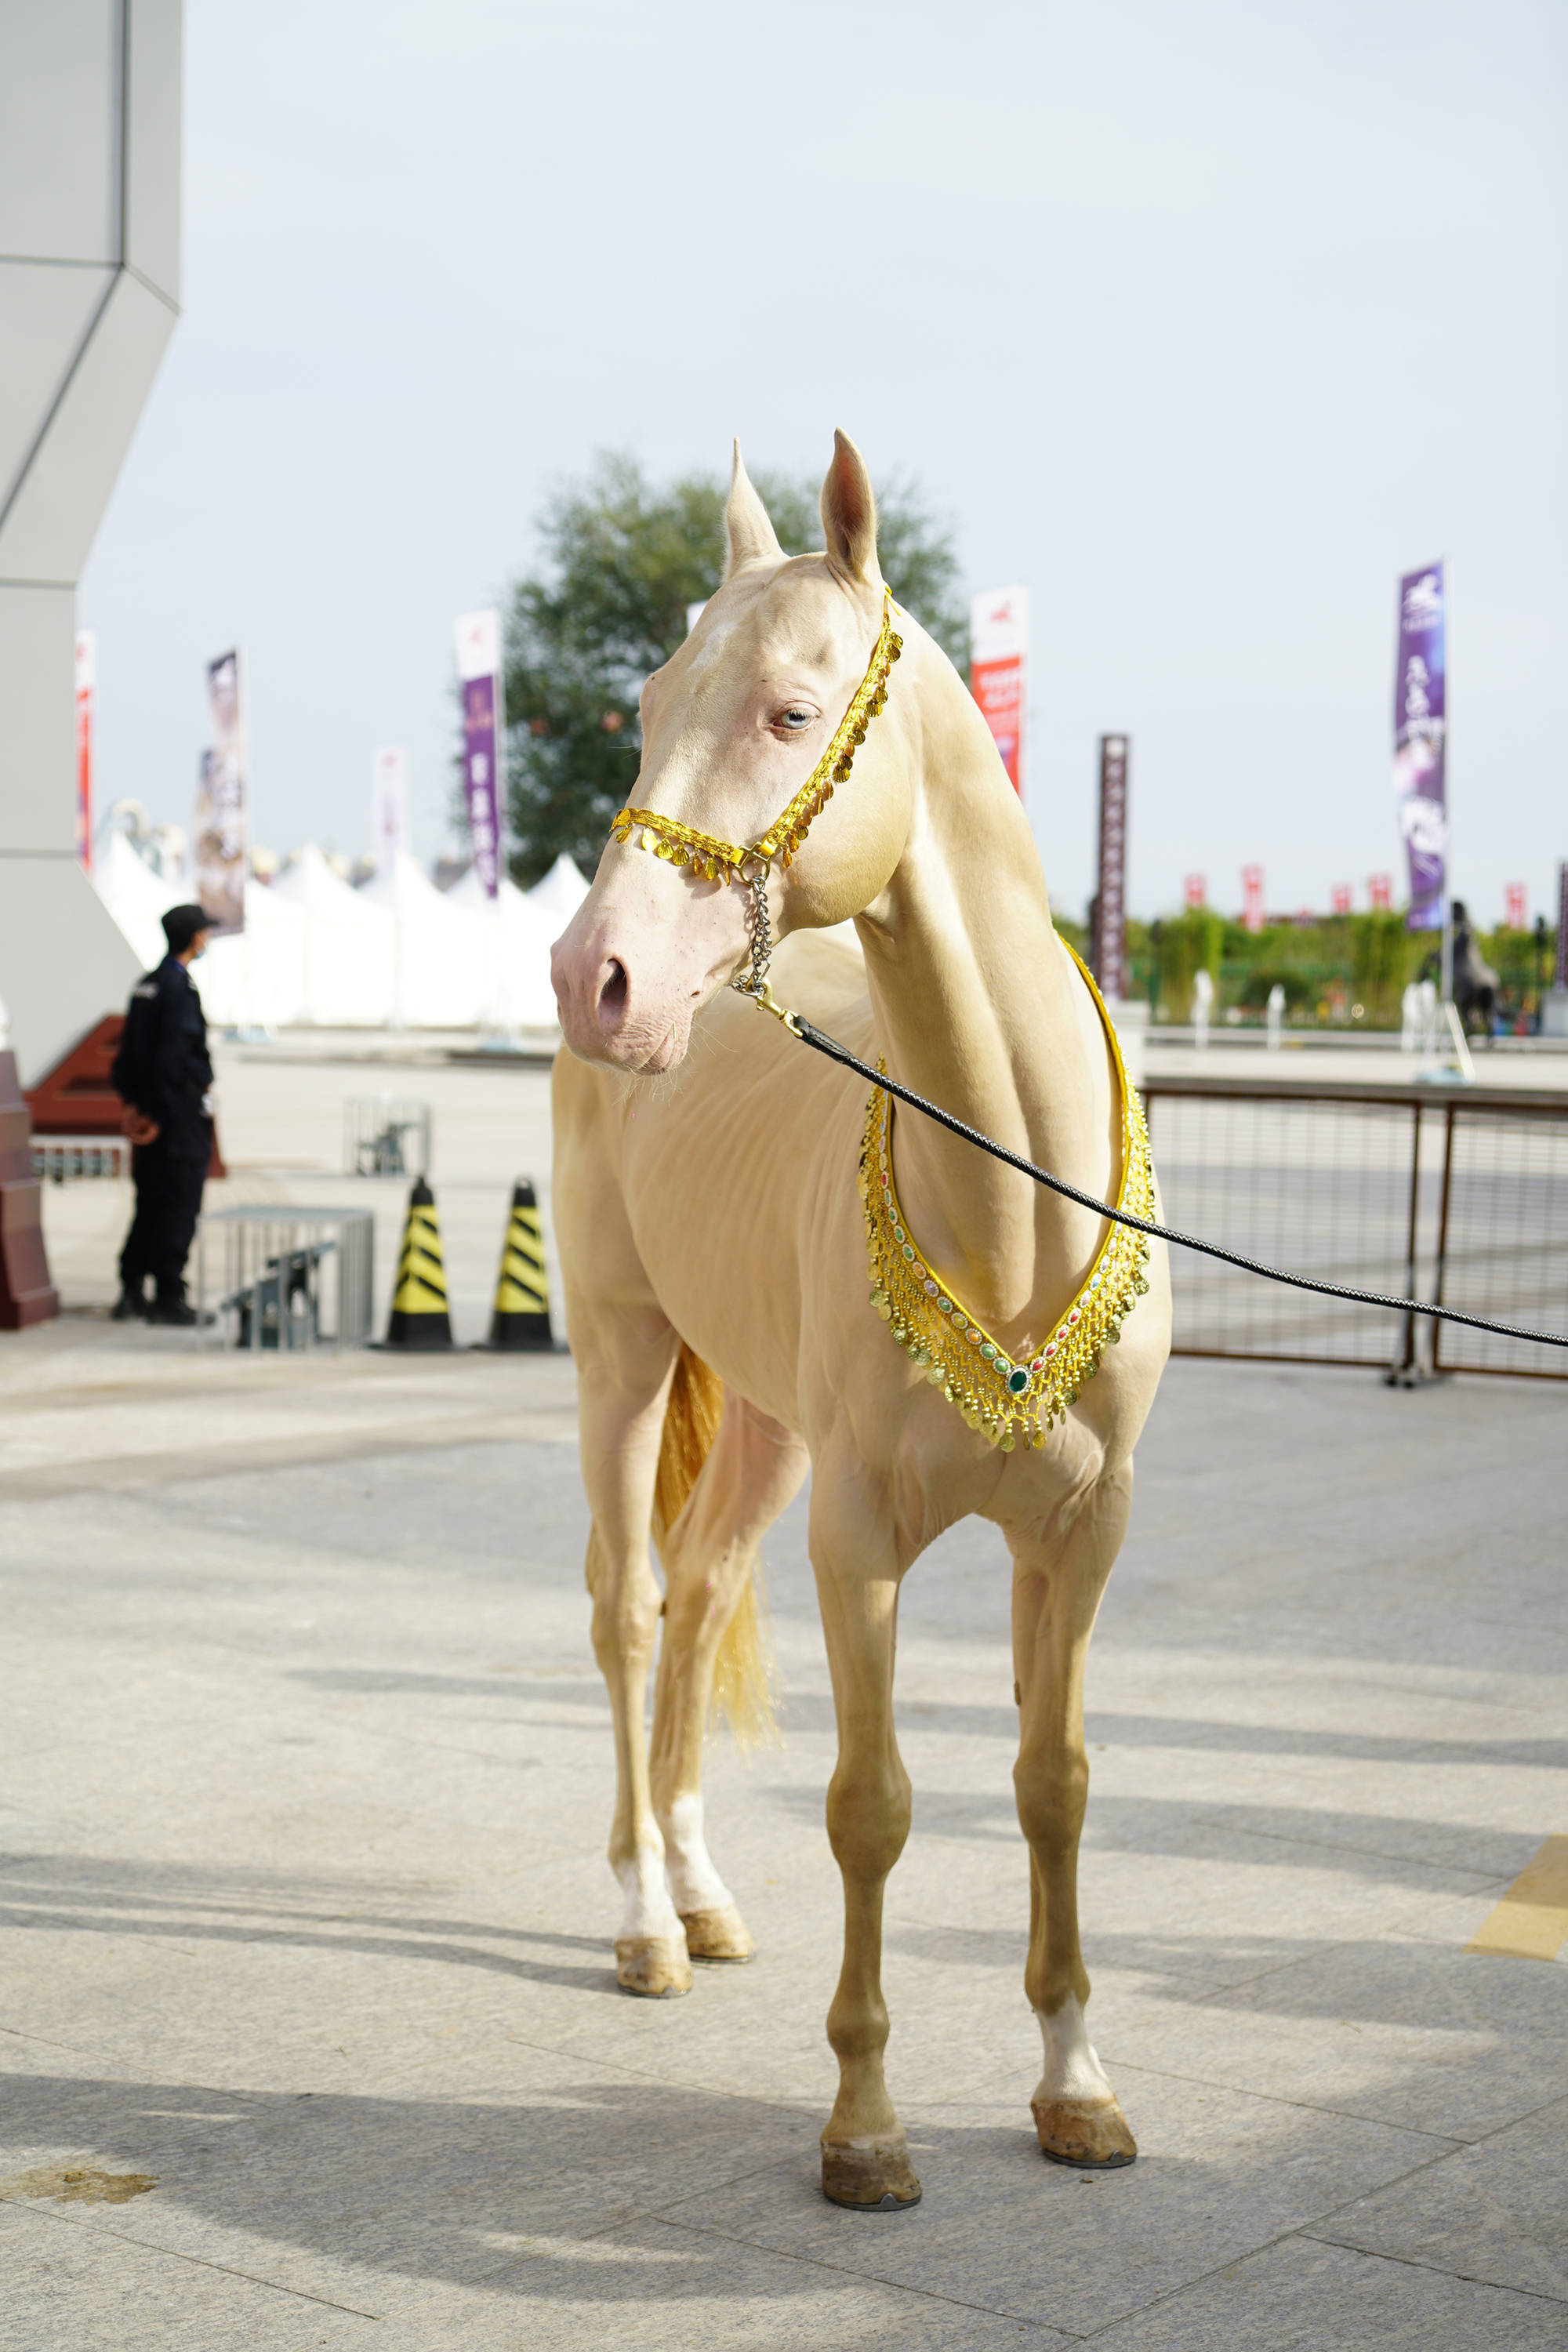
(1327, 969)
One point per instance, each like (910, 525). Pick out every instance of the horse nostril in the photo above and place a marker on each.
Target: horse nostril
(612, 1004)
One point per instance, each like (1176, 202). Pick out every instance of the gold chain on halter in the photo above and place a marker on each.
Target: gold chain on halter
(726, 861)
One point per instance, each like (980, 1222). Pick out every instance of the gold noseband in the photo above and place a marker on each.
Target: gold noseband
(726, 861)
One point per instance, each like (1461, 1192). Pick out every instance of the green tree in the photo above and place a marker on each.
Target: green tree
(623, 558)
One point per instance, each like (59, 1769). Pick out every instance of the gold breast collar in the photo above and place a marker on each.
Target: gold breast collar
(1006, 1396)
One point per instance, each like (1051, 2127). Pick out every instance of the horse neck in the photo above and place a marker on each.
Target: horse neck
(978, 1007)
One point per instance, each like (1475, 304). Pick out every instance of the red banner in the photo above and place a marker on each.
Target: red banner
(1195, 892)
(1380, 890)
(1517, 916)
(85, 693)
(1342, 897)
(998, 636)
(1252, 897)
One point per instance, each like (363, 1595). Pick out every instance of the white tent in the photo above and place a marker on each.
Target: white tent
(255, 978)
(522, 996)
(397, 952)
(346, 972)
(559, 894)
(134, 895)
(438, 949)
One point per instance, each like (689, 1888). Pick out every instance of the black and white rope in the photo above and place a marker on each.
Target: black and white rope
(822, 1043)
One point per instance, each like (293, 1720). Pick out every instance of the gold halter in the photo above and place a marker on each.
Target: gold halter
(726, 861)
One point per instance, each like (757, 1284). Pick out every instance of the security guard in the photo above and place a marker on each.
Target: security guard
(164, 1076)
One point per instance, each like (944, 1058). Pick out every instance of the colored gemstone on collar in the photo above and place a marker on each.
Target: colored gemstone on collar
(1017, 1382)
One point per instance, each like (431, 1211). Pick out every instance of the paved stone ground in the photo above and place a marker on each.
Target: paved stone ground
(304, 1917)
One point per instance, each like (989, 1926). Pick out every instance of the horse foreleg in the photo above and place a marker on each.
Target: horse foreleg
(754, 1469)
(865, 2155)
(1058, 1575)
(622, 1418)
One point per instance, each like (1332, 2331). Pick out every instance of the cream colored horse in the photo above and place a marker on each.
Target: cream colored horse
(708, 1216)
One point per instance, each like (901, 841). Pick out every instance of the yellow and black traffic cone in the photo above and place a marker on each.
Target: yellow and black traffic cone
(522, 1315)
(419, 1317)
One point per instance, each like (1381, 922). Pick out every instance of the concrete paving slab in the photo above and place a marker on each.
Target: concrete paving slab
(1493, 2211)
(1298, 2297)
(1071, 2250)
(687, 2289)
(1424, 2036)
(70, 2283)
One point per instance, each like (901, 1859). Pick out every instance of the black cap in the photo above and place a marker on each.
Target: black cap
(181, 925)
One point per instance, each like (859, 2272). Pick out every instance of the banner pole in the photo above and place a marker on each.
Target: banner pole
(1448, 799)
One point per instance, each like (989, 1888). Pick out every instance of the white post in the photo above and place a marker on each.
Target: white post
(1202, 997)
(398, 1019)
(1276, 1015)
(247, 1005)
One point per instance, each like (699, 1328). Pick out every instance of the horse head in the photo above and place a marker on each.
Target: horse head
(735, 725)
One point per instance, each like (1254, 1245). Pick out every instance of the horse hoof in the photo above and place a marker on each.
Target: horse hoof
(655, 1966)
(869, 2176)
(1092, 2134)
(717, 1934)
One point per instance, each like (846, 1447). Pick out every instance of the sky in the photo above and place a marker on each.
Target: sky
(1205, 322)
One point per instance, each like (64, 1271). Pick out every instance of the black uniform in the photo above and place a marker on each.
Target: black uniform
(164, 1070)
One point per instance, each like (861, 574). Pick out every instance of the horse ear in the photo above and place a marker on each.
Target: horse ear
(749, 536)
(849, 513)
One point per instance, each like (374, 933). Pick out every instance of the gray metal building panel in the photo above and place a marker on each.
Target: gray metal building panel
(89, 260)
(48, 527)
(153, 116)
(46, 311)
(60, 106)
(65, 962)
(38, 736)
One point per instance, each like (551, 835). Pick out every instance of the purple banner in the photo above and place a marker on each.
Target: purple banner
(480, 779)
(478, 674)
(1420, 744)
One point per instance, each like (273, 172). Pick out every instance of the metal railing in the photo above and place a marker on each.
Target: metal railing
(1459, 1198)
(285, 1278)
(383, 1136)
(71, 1158)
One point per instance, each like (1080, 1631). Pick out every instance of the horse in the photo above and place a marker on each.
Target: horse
(722, 1198)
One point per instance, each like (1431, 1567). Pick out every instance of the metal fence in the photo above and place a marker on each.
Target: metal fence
(383, 1136)
(1458, 1200)
(70, 1158)
(1502, 1239)
(285, 1278)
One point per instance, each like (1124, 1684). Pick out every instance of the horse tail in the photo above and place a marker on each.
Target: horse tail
(742, 1671)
